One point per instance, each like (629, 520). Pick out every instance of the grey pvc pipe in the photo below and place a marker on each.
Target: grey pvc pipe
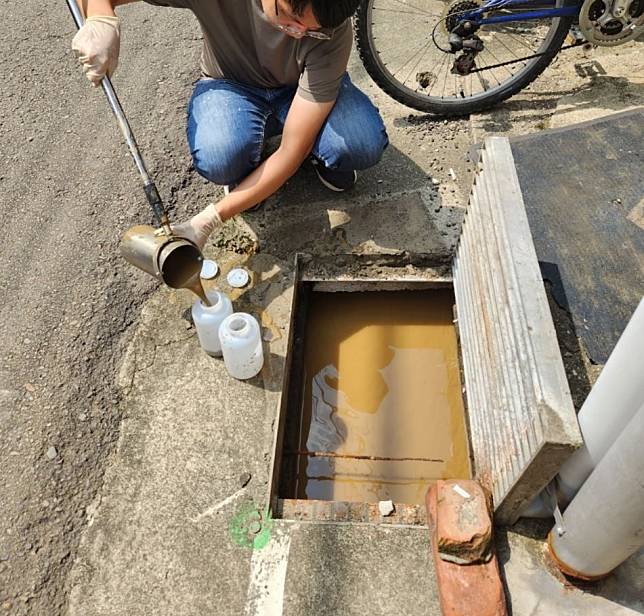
(612, 402)
(604, 524)
(610, 405)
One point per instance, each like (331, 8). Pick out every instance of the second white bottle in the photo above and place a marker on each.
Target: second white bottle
(241, 345)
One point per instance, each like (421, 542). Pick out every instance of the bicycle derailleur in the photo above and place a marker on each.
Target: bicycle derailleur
(462, 38)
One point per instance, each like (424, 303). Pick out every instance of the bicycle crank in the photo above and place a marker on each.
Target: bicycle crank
(611, 22)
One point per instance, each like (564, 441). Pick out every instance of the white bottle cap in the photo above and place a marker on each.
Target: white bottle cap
(209, 269)
(238, 278)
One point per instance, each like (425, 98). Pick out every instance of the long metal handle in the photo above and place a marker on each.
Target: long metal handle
(151, 192)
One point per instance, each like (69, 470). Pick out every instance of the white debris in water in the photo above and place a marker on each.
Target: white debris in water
(386, 508)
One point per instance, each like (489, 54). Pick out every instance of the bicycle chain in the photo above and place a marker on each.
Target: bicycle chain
(536, 55)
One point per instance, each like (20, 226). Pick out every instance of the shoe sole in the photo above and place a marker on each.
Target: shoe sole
(331, 186)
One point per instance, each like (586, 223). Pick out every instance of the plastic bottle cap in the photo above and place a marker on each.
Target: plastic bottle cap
(209, 269)
(238, 278)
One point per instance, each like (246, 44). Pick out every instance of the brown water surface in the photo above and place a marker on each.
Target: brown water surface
(381, 381)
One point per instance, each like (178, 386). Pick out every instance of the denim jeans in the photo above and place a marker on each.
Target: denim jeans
(228, 123)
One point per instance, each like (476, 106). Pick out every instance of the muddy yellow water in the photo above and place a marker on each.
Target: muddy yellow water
(381, 381)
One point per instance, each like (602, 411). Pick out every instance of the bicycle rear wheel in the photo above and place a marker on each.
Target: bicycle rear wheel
(404, 47)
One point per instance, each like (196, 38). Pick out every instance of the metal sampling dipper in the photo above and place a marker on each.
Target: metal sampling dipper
(174, 260)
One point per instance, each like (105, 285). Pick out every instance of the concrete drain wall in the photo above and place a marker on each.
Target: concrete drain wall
(522, 421)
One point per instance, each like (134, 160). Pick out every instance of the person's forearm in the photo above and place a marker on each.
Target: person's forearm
(100, 7)
(262, 182)
(96, 7)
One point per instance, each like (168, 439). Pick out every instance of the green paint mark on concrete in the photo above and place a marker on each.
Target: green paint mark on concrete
(251, 527)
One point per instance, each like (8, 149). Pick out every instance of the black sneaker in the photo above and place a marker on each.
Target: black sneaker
(334, 179)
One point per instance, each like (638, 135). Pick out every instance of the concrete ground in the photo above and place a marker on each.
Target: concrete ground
(125, 450)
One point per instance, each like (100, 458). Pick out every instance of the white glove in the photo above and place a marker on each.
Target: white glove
(97, 45)
(199, 227)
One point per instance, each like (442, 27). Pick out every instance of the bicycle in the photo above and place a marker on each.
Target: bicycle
(461, 56)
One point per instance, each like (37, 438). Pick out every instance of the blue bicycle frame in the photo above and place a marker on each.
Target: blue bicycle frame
(476, 15)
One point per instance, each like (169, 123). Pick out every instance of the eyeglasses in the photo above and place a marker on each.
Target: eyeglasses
(321, 36)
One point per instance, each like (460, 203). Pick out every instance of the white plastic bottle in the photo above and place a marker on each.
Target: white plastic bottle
(241, 344)
(207, 320)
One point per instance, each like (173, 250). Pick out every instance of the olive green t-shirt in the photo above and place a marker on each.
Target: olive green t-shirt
(240, 44)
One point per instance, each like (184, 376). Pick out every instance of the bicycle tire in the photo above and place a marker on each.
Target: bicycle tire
(369, 57)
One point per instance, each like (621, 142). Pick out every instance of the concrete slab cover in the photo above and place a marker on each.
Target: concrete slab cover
(522, 420)
(582, 186)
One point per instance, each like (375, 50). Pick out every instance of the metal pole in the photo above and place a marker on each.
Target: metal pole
(604, 524)
(151, 192)
(610, 405)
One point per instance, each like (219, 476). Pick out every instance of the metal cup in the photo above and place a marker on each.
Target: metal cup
(174, 260)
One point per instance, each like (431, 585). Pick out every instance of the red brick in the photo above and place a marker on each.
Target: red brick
(464, 590)
(463, 525)
(341, 511)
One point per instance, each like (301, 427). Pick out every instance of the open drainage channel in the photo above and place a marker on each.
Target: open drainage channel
(373, 409)
(372, 405)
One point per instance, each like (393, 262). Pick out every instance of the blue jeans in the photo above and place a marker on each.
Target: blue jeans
(228, 123)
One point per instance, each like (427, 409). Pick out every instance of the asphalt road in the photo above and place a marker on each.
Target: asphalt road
(68, 190)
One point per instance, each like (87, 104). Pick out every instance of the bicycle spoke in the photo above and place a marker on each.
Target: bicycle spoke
(480, 56)
(411, 59)
(418, 61)
(399, 12)
(497, 62)
(445, 80)
(510, 50)
(406, 4)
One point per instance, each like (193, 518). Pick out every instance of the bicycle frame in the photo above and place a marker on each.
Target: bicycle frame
(476, 16)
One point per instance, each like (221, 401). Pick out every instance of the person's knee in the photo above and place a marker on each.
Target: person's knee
(222, 161)
(359, 152)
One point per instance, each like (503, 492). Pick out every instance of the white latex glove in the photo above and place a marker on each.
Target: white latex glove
(97, 46)
(199, 227)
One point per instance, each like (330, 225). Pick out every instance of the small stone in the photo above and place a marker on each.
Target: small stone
(30, 387)
(386, 508)
(52, 453)
(82, 417)
(244, 479)
(435, 181)
(6, 606)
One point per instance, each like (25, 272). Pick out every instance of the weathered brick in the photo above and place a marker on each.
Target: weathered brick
(358, 512)
(341, 511)
(463, 524)
(464, 590)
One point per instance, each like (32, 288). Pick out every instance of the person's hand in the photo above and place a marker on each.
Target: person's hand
(199, 228)
(97, 45)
